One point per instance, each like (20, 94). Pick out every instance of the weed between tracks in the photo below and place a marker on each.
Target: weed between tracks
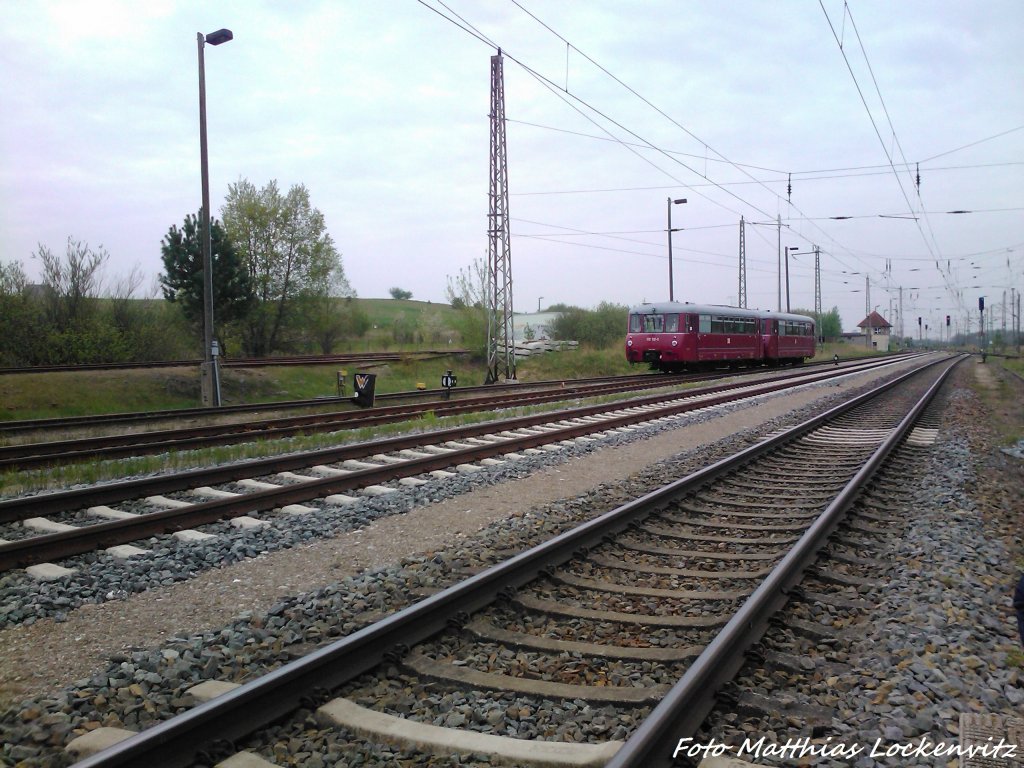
(72, 475)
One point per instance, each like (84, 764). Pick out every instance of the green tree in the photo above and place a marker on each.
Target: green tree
(73, 328)
(399, 293)
(469, 287)
(20, 318)
(72, 283)
(597, 328)
(467, 292)
(283, 241)
(830, 325)
(182, 278)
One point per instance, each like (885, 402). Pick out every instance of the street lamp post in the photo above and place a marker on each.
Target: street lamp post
(788, 249)
(210, 376)
(539, 299)
(671, 202)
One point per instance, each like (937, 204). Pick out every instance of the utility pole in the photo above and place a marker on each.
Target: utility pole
(981, 327)
(788, 249)
(901, 314)
(501, 357)
(779, 290)
(817, 291)
(867, 295)
(742, 295)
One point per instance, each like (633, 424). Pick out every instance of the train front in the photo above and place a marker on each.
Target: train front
(656, 335)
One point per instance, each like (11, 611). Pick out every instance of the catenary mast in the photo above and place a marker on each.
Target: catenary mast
(501, 358)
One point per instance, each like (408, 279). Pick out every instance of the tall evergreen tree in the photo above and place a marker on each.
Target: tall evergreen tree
(182, 279)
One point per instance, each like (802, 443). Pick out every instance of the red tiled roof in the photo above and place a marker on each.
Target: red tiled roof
(874, 320)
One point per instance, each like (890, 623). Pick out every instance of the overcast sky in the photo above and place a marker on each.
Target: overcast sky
(381, 109)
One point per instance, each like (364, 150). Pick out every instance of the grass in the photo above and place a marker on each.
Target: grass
(1002, 401)
(69, 475)
(57, 395)
(49, 395)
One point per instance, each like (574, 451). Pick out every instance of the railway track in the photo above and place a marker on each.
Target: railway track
(39, 430)
(142, 420)
(27, 455)
(242, 362)
(33, 455)
(82, 520)
(671, 586)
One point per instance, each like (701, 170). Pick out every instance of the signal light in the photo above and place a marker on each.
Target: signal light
(981, 303)
(947, 321)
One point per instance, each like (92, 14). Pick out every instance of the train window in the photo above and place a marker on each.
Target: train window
(796, 328)
(671, 323)
(636, 323)
(725, 324)
(705, 323)
(654, 323)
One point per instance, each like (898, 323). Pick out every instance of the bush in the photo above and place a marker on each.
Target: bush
(596, 328)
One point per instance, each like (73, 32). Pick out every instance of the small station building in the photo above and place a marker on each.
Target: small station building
(876, 331)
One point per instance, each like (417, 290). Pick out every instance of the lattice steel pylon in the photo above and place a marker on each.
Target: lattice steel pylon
(501, 356)
(742, 295)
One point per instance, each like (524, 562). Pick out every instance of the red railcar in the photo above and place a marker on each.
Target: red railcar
(787, 338)
(674, 336)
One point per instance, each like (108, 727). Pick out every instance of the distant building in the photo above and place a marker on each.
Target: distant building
(876, 331)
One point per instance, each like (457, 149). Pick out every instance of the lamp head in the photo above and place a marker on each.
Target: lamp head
(220, 36)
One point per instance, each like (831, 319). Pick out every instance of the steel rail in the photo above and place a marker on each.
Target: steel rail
(31, 455)
(55, 546)
(685, 706)
(26, 425)
(12, 510)
(240, 362)
(37, 455)
(130, 417)
(237, 713)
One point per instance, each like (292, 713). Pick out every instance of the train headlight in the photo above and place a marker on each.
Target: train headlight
(629, 342)
(675, 342)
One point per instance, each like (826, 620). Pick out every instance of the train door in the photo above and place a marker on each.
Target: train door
(688, 326)
(770, 338)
